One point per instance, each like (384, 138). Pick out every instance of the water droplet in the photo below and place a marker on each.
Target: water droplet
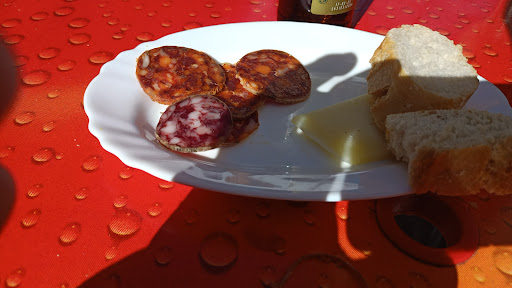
(113, 21)
(66, 65)
(279, 245)
(166, 185)
(166, 23)
(100, 57)
(63, 285)
(489, 51)
(464, 20)
(422, 20)
(503, 261)
(37, 77)
(126, 173)
(59, 156)
(34, 191)
(125, 222)
(80, 38)
(125, 27)
(9, 23)
(15, 278)
(139, 6)
(218, 250)
(478, 274)
(6, 151)
(507, 78)
(145, 36)
(64, 11)
(467, 53)
(70, 233)
(163, 255)
(120, 201)
(257, 9)
(443, 31)
(192, 25)
(233, 216)
(20, 60)
(459, 26)
(209, 4)
(43, 155)
(342, 212)
(92, 163)
(152, 13)
(166, 3)
(49, 53)
(30, 218)
(13, 39)
(390, 16)
(118, 35)
(384, 282)
(39, 16)
(111, 253)
(489, 20)
(263, 209)
(433, 15)
(102, 4)
(268, 276)
(381, 30)
(82, 193)
(309, 217)
(407, 10)
(78, 23)
(155, 210)
(54, 94)
(24, 118)
(417, 280)
(191, 216)
(215, 14)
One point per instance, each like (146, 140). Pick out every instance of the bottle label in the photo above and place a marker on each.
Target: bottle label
(331, 7)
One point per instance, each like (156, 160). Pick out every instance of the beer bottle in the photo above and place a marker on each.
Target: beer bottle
(336, 12)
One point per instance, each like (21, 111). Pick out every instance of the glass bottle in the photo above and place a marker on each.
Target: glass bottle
(335, 12)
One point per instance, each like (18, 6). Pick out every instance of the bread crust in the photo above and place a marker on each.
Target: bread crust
(463, 171)
(394, 91)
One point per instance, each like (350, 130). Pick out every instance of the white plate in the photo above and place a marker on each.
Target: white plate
(274, 162)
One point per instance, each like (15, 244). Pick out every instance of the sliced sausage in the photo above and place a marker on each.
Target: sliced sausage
(274, 74)
(169, 74)
(240, 101)
(242, 128)
(197, 123)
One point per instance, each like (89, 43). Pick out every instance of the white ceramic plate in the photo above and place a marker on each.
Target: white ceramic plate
(275, 161)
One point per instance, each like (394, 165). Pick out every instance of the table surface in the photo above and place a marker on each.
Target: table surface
(72, 214)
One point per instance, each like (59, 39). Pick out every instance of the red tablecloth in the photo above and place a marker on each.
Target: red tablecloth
(78, 216)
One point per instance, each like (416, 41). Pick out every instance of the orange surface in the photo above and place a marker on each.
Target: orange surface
(82, 217)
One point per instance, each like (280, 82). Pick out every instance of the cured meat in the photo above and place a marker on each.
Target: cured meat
(169, 74)
(242, 128)
(240, 101)
(197, 123)
(274, 74)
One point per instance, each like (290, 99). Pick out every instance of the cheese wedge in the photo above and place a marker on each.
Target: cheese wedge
(347, 131)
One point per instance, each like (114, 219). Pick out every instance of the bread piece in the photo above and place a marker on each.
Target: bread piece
(415, 68)
(454, 152)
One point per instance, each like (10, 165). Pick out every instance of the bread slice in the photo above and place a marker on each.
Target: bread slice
(415, 68)
(453, 152)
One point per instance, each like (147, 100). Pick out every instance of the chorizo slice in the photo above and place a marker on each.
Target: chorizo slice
(274, 74)
(240, 101)
(169, 74)
(197, 123)
(242, 128)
